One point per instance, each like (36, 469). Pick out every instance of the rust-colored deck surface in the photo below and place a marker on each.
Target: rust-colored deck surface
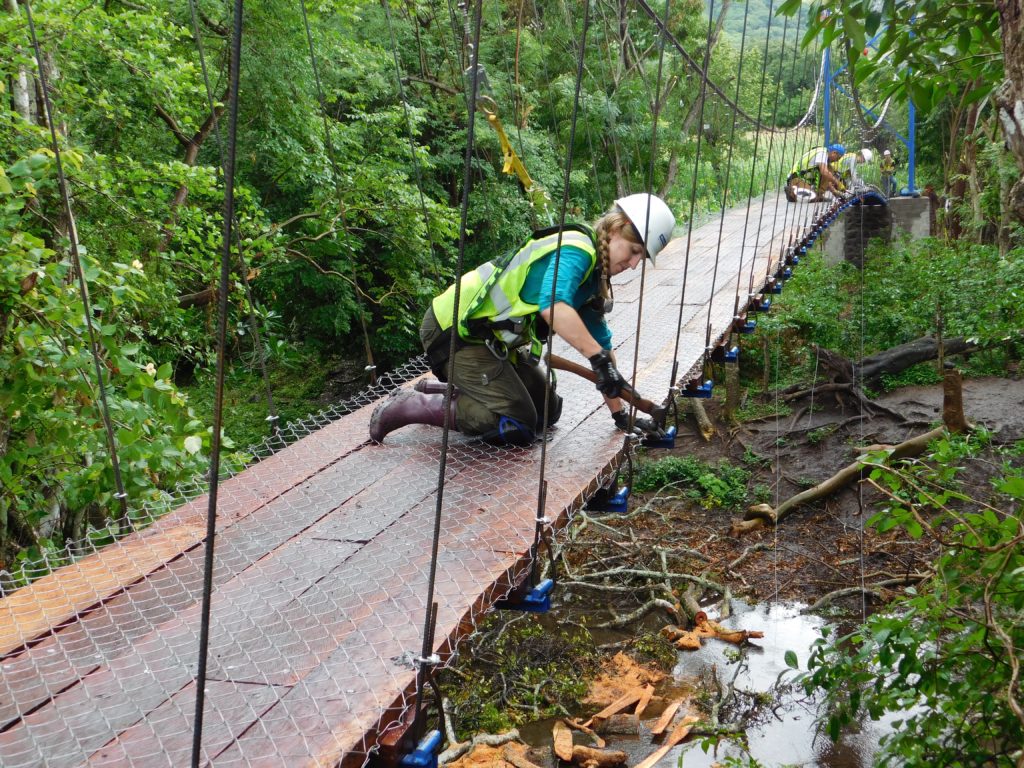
(322, 555)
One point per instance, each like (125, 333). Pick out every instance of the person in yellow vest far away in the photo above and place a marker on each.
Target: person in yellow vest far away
(507, 307)
(813, 175)
(887, 170)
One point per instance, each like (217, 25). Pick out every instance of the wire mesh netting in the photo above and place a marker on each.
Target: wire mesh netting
(321, 560)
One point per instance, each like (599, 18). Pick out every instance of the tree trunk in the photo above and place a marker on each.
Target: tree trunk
(1009, 97)
(20, 90)
(892, 360)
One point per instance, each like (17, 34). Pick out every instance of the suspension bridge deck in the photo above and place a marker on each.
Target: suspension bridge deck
(321, 561)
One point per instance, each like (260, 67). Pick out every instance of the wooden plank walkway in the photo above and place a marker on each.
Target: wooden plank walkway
(322, 554)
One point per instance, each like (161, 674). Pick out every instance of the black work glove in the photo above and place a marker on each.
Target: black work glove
(642, 425)
(609, 380)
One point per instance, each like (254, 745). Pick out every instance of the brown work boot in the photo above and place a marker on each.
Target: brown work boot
(409, 407)
(432, 387)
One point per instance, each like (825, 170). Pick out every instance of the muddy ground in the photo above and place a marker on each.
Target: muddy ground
(819, 565)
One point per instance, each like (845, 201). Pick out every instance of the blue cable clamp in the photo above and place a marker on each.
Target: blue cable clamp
(425, 754)
(698, 390)
(774, 285)
(787, 273)
(605, 500)
(749, 326)
(764, 304)
(536, 600)
(723, 354)
(668, 440)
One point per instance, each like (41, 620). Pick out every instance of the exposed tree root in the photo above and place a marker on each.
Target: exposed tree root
(954, 420)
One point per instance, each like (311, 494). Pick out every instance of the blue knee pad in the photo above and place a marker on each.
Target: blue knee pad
(514, 432)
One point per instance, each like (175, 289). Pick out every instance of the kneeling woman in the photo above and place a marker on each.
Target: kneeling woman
(506, 308)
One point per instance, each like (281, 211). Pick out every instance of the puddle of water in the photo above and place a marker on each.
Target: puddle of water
(788, 740)
(790, 737)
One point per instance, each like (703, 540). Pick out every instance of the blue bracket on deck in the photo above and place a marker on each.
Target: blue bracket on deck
(784, 274)
(761, 303)
(723, 354)
(741, 325)
(694, 389)
(668, 440)
(607, 501)
(536, 600)
(425, 754)
(774, 285)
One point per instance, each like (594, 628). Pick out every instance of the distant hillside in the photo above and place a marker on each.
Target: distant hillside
(757, 20)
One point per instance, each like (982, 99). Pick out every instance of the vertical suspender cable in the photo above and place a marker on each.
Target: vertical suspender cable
(408, 129)
(272, 418)
(218, 403)
(426, 660)
(647, 221)
(83, 288)
(693, 186)
(728, 172)
(542, 482)
(757, 142)
(370, 364)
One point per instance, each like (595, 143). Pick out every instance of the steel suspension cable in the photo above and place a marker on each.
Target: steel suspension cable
(408, 129)
(541, 519)
(371, 366)
(728, 172)
(76, 261)
(693, 195)
(427, 659)
(782, 152)
(647, 221)
(218, 403)
(797, 144)
(272, 417)
(757, 142)
(771, 145)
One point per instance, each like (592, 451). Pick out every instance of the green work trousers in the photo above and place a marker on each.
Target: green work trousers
(490, 387)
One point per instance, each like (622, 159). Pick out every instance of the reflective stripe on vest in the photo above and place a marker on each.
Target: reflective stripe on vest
(491, 292)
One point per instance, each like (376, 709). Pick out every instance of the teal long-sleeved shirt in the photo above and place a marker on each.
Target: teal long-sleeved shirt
(571, 289)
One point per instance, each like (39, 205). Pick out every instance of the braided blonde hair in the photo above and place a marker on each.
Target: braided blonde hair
(614, 221)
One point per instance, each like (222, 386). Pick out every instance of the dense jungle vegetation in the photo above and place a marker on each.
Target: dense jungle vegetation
(346, 234)
(348, 194)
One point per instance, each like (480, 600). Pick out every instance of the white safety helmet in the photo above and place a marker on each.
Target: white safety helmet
(652, 219)
(867, 154)
(887, 152)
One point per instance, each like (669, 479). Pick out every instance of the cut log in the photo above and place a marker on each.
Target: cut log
(679, 733)
(515, 755)
(598, 758)
(708, 628)
(644, 701)
(682, 639)
(561, 738)
(622, 724)
(666, 717)
(626, 700)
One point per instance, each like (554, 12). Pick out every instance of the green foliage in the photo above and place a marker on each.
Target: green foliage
(712, 486)
(942, 658)
(521, 670)
(897, 298)
(914, 43)
(56, 469)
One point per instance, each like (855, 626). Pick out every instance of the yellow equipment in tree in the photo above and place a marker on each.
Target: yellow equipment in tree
(538, 197)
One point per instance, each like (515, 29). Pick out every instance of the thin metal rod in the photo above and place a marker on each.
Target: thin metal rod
(218, 403)
(83, 287)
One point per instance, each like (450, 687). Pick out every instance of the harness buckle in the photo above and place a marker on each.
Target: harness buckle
(497, 347)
